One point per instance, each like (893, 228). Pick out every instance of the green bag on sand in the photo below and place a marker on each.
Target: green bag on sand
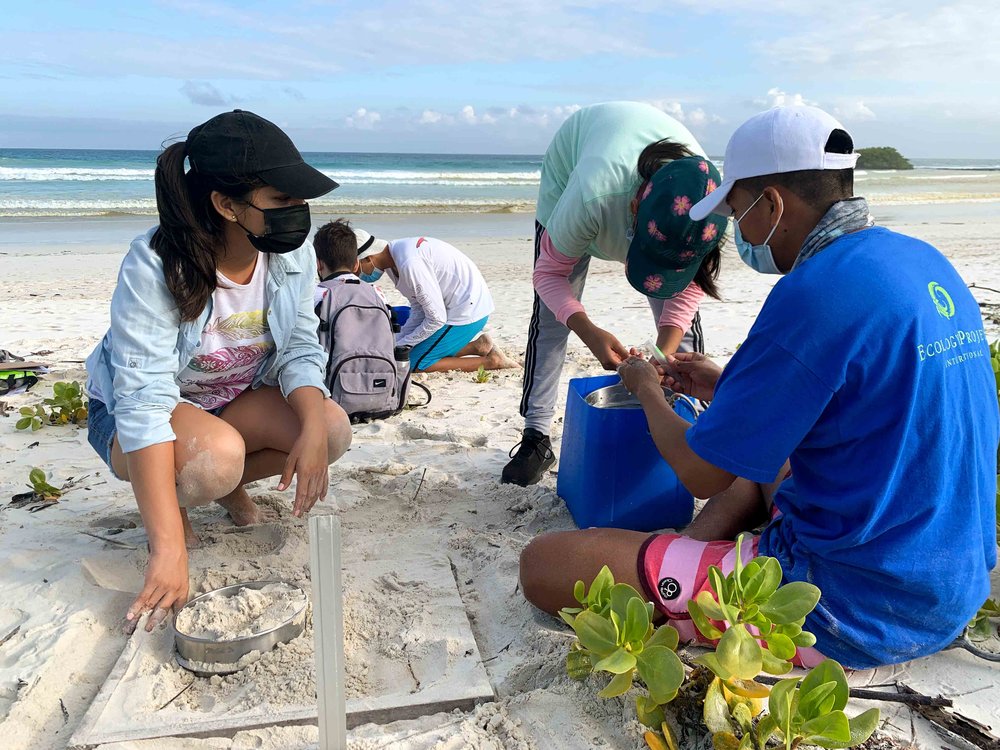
(18, 376)
(17, 381)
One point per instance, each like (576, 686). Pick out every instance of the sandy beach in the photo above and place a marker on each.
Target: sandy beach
(426, 480)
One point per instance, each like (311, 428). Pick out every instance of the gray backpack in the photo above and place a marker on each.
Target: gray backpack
(356, 329)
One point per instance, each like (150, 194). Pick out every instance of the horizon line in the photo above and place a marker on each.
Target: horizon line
(447, 153)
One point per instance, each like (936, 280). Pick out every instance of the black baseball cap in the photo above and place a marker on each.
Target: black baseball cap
(240, 144)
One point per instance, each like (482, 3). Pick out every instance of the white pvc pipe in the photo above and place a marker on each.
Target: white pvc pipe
(328, 630)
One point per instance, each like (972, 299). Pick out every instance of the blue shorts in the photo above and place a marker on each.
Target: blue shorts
(447, 342)
(101, 430)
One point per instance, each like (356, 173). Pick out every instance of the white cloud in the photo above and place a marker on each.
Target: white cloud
(441, 31)
(468, 114)
(363, 119)
(856, 111)
(848, 110)
(541, 116)
(114, 53)
(673, 108)
(430, 117)
(537, 116)
(775, 97)
(695, 118)
(910, 40)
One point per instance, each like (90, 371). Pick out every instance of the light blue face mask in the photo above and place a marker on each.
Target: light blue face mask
(371, 278)
(758, 257)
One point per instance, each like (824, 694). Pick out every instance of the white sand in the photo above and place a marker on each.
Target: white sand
(247, 612)
(67, 592)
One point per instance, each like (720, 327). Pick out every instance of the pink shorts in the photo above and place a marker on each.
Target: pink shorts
(674, 569)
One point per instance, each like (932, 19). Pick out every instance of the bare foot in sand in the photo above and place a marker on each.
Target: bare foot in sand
(243, 510)
(497, 360)
(482, 346)
(191, 540)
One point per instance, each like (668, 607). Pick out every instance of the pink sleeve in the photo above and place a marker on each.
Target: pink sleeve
(551, 280)
(680, 310)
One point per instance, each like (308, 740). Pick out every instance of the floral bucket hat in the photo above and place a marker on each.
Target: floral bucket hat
(667, 246)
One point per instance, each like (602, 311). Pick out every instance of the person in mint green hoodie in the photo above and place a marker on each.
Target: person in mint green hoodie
(617, 183)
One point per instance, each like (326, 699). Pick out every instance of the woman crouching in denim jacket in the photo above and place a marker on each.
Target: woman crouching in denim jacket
(211, 375)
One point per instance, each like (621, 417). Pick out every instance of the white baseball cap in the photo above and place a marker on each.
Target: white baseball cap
(782, 139)
(368, 244)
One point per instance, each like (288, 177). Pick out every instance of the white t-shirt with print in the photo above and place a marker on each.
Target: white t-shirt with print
(234, 343)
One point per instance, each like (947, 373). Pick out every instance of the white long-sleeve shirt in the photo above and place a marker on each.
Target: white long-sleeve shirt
(443, 287)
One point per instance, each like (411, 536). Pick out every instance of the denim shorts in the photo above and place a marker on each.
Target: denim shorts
(101, 431)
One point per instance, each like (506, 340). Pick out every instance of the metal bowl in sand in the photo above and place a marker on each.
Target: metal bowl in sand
(206, 656)
(616, 397)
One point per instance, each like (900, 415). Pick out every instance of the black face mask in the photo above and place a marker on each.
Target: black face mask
(285, 229)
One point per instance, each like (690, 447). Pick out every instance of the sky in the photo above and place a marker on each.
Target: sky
(451, 76)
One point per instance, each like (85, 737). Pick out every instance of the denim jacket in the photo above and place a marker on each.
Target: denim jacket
(134, 369)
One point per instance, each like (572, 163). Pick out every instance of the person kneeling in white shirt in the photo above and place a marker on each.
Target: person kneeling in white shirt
(449, 302)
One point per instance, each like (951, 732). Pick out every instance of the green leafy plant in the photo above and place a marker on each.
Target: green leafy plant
(31, 418)
(995, 361)
(809, 711)
(482, 375)
(752, 596)
(982, 626)
(42, 489)
(66, 406)
(615, 635)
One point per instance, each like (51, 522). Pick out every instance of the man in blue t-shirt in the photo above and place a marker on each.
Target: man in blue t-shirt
(860, 416)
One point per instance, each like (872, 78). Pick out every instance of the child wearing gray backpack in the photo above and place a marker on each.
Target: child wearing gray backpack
(366, 373)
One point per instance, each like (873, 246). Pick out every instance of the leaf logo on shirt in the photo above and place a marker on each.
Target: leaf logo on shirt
(942, 300)
(240, 326)
(231, 358)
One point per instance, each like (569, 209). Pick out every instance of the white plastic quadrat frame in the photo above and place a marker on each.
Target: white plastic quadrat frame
(465, 685)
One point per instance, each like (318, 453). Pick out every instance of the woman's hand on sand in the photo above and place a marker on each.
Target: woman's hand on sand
(638, 375)
(609, 350)
(165, 589)
(309, 461)
(692, 374)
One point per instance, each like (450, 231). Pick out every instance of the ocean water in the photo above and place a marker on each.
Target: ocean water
(49, 182)
(40, 182)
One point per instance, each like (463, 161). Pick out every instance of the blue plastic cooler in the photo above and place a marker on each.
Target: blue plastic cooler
(610, 472)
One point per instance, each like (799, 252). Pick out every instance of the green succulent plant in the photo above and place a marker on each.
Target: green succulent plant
(807, 711)
(615, 634)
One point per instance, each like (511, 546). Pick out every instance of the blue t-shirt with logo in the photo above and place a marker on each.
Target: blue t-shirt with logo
(869, 368)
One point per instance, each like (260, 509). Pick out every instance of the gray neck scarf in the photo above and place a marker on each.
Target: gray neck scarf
(842, 218)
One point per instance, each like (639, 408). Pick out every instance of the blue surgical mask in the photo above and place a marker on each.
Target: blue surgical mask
(371, 278)
(758, 257)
